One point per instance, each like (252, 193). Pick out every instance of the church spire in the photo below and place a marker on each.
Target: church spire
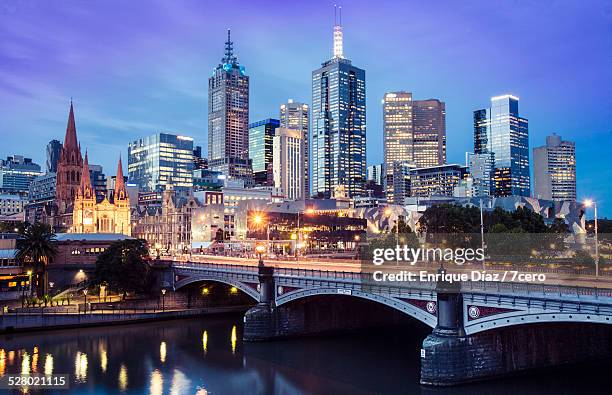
(120, 192)
(86, 190)
(70, 140)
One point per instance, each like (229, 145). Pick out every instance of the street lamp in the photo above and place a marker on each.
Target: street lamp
(260, 249)
(592, 203)
(163, 292)
(259, 219)
(482, 242)
(85, 293)
(30, 283)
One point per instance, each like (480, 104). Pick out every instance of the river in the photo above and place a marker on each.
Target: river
(207, 356)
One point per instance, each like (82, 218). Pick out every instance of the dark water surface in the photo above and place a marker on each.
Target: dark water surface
(207, 356)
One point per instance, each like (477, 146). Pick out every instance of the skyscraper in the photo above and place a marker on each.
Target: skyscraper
(414, 133)
(338, 125)
(228, 117)
(54, 148)
(554, 170)
(288, 163)
(501, 131)
(429, 132)
(261, 134)
(295, 115)
(161, 160)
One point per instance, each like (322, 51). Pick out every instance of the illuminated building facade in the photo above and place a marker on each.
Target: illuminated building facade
(16, 174)
(414, 133)
(261, 134)
(288, 163)
(436, 180)
(167, 227)
(111, 214)
(338, 125)
(501, 131)
(161, 160)
(554, 170)
(228, 117)
(295, 115)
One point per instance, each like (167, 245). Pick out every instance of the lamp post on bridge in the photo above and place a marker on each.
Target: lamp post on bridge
(592, 203)
(163, 292)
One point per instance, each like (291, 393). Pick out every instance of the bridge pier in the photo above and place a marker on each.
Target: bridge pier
(450, 357)
(260, 322)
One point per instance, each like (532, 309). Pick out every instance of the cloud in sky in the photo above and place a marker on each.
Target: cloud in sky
(134, 68)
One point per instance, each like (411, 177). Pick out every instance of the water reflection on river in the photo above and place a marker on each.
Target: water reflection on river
(207, 356)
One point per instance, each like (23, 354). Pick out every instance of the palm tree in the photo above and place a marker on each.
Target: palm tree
(37, 249)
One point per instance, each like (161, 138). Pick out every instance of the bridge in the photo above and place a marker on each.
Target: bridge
(479, 329)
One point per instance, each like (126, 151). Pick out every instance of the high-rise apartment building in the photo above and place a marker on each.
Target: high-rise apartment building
(414, 133)
(554, 170)
(501, 131)
(54, 148)
(228, 117)
(288, 163)
(295, 115)
(261, 134)
(338, 126)
(160, 161)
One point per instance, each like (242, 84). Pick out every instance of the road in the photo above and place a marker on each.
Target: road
(355, 266)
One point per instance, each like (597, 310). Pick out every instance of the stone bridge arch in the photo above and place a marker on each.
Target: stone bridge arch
(248, 288)
(426, 314)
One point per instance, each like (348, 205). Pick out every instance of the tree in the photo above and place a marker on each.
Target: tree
(124, 267)
(584, 258)
(35, 250)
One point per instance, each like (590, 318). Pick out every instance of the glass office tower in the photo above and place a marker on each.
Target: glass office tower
(295, 115)
(501, 131)
(159, 161)
(261, 135)
(414, 133)
(338, 126)
(228, 117)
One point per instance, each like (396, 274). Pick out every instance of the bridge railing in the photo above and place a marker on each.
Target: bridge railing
(227, 267)
(532, 289)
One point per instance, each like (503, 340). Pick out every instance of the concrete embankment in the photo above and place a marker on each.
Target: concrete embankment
(10, 323)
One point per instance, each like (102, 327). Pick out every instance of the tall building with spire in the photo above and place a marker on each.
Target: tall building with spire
(338, 124)
(228, 117)
(69, 170)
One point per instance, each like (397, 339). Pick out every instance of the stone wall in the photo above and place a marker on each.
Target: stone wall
(450, 360)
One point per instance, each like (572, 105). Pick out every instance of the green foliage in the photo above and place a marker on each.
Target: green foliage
(584, 258)
(123, 266)
(35, 250)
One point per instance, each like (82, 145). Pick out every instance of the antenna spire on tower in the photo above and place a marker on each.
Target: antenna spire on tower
(338, 36)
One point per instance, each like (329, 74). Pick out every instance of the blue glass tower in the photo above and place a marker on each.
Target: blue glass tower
(501, 131)
(338, 126)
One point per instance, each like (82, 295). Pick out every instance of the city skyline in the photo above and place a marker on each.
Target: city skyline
(112, 107)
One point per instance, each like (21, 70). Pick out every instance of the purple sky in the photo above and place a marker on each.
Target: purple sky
(138, 67)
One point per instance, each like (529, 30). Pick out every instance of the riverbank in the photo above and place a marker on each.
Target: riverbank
(13, 323)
